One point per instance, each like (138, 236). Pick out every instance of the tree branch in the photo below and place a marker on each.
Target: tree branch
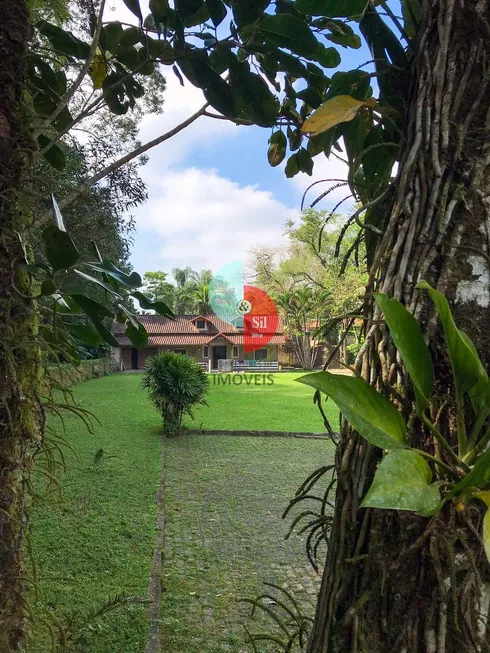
(88, 183)
(80, 77)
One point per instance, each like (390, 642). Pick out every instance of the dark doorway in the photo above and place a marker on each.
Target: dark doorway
(219, 353)
(134, 358)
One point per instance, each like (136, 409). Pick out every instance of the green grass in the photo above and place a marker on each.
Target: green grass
(284, 405)
(97, 542)
(224, 499)
(224, 535)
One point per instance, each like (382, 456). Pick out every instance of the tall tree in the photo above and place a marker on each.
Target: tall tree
(159, 288)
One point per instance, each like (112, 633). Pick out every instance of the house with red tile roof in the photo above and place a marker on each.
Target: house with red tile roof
(206, 338)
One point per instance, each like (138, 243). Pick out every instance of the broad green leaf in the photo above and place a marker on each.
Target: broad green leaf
(341, 108)
(137, 335)
(478, 477)
(220, 96)
(159, 307)
(412, 16)
(403, 482)
(277, 148)
(86, 333)
(217, 11)
(128, 56)
(100, 283)
(134, 7)
(327, 57)
(342, 34)
(188, 7)
(159, 9)
(160, 49)
(132, 280)
(464, 361)
(331, 8)
(246, 12)
(286, 31)
(486, 534)
(305, 162)
(480, 392)
(98, 70)
(253, 96)
(54, 155)
(410, 343)
(292, 166)
(110, 36)
(373, 416)
(129, 316)
(105, 334)
(63, 41)
(59, 247)
(48, 287)
(93, 309)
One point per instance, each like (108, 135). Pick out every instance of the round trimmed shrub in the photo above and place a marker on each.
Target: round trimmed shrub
(175, 384)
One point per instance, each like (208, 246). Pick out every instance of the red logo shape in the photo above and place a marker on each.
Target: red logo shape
(262, 322)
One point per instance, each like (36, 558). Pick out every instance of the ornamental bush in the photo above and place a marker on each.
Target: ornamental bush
(175, 384)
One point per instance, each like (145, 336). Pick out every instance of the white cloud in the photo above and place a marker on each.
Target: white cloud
(206, 220)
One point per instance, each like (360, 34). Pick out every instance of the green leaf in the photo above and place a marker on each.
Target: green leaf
(327, 57)
(137, 335)
(128, 56)
(486, 534)
(403, 482)
(93, 309)
(246, 12)
(86, 333)
(277, 148)
(110, 36)
(159, 9)
(188, 7)
(412, 16)
(480, 392)
(60, 250)
(331, 8)
(410, 343)
(105, 334)
(48, 287)
(286, 31)
(64, 42)
(342, 34)
(305, 162)
(54, 155)
(132, 280)
(253, 96)
(373, 416)
(217, 11)
(131, 36)
(159, 307)
(220, 96)
(134, 7)
(100, 283)
(292, 166)
(130, 316)
(464, 361)
(477, 479)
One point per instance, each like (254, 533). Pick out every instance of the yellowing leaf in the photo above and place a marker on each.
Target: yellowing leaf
(340, 108)
(98, 70)
(486, 534)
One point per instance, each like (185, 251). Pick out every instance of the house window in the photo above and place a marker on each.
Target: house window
(179, 351)
(201, 324)
(205, 351)
(235, 351)
(260, 354)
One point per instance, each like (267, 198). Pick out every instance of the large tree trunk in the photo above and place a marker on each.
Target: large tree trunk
(20, 417)
(391, 584)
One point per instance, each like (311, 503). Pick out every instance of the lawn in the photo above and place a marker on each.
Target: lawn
(97, 541)
(258, 403)
(224, 536)
(223, 503)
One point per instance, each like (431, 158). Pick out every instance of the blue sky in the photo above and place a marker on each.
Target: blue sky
(213, 197)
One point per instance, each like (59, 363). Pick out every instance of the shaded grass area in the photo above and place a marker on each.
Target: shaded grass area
(96, 542)
(224, 535)
(273, 402)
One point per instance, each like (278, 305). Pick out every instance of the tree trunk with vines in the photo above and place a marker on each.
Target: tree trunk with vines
(20, 416)
(395, 582)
